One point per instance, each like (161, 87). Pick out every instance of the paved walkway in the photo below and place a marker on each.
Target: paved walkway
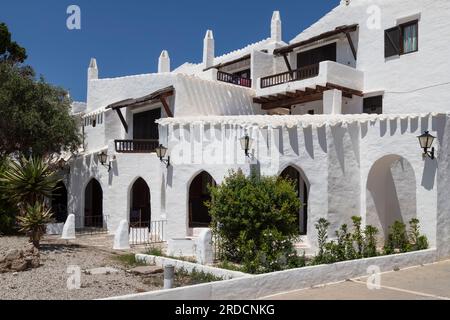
(429, 282)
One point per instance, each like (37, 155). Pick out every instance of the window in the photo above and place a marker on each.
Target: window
(311, 112)
(402, 39)
(373, 105)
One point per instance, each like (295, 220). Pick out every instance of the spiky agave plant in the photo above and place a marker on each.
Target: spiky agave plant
(28, 181)
(34, 222)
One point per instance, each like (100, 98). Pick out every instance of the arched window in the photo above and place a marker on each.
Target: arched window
(59, 203)
(198, 194)
(292, 174)
(93, 205)
(140, 210)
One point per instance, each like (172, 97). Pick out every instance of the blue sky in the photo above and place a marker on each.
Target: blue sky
(127, 37)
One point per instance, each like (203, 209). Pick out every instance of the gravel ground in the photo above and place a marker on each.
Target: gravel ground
(49, 281)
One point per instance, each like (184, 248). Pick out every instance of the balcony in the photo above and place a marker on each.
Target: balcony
(294, 75)
(136, 146)
(308, 84)
(234, 79)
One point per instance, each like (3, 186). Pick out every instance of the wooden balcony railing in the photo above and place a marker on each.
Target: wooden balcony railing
(231, 78)
(136, 146)
(289, 76)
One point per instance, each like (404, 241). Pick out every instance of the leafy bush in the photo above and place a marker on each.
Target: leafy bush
(417, 241)
(397, 240)
(370, 242)
(255, 219)
(363, 244)
(401, 240)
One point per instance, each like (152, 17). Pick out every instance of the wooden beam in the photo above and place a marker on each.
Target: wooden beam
(166, 106)
(287, 103)
(352, 46)
(122, 119)
(288, 64)
(345, 89)
(291, 94)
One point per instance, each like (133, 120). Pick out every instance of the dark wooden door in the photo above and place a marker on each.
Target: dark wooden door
(144, 126)
(315, 56)
(140, 215)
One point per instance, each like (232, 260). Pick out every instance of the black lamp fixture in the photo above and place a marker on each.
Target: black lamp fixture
(246, 144)
(161, 152)
(103, 158)
(426, 142)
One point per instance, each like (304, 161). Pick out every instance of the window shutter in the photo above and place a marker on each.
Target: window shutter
(392, 42)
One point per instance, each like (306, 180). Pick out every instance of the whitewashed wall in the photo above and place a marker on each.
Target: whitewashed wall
(416, 82)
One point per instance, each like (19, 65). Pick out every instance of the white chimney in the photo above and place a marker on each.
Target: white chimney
(275, 27)
(208, 50)
(164, 62)
(93, 70)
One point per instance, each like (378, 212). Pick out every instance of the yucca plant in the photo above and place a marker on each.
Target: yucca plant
(34, 222)
(28, 181)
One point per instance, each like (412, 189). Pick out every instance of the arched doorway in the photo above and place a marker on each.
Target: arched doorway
(140, 210)
(93, 205)
(390, 193)
(198, 194)
(59, 203)
(301, 186)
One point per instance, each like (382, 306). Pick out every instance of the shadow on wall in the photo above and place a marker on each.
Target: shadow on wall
(391, 193)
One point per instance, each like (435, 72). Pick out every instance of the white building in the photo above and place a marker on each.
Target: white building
(310, 107)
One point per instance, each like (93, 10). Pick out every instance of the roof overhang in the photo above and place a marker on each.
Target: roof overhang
(157, 95)
(228, 63)
(339, 30)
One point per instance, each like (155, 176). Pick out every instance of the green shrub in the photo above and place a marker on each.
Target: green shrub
(397, 240)
(358, 236)
(370, 242)
(417, 241)
(255, 219)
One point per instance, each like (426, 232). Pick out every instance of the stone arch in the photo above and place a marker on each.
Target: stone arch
(390, 193)
(59, 202)
(140, 203)
(93, 204)
(198, 194)
(297, 175)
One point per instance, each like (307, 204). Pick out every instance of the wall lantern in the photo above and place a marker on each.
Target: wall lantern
(161, 153)
(426, 142)
(103, 158)
(246, 144)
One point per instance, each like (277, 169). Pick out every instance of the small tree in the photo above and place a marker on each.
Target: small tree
(255, 218)
(34, 221)
(28, 183)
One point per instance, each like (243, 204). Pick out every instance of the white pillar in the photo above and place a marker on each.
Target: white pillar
(275, 27)
(204, 253)
(332, 102)
(164, 62)
(208, 50)
(122, 238)
(69, 228)
(93, 70)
